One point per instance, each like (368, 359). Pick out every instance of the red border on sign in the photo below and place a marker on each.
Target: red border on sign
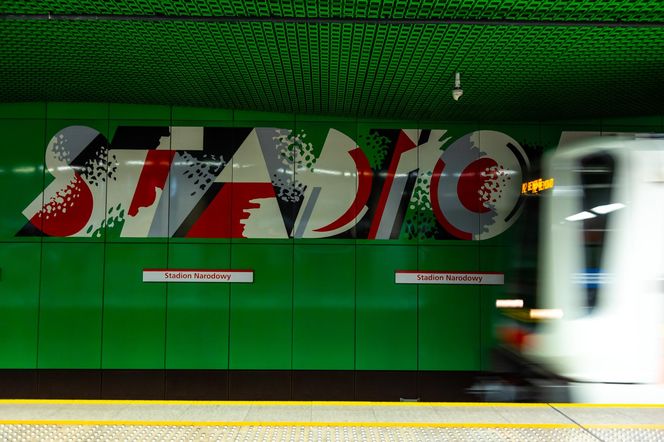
(197, 270)
(439, 272)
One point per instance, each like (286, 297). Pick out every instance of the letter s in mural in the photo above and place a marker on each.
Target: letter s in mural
(262, 182)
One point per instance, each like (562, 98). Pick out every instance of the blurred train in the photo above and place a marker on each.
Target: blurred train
(594, 333)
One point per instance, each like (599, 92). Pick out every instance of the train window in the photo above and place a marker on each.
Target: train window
(596, 177)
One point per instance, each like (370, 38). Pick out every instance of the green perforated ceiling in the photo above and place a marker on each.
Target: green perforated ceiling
(518, 59)
(632, 10)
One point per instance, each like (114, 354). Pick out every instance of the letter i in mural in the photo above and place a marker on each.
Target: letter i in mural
(393, 158)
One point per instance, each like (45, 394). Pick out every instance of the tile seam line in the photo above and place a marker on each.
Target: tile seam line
(581, 427)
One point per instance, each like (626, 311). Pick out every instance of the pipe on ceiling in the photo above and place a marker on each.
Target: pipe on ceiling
(329, 20)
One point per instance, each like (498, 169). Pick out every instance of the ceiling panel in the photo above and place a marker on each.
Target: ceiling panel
(572, 10)
(356, 69)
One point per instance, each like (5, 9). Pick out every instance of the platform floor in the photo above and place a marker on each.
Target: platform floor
(70, 420)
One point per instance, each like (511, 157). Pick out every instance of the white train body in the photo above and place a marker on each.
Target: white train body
(602, 268)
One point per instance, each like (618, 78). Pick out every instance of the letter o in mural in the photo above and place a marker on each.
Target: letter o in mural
(476, 185)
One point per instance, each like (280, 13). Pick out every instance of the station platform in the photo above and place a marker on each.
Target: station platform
(92, 420)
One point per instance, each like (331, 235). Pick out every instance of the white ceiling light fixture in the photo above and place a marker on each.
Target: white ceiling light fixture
(457, 92)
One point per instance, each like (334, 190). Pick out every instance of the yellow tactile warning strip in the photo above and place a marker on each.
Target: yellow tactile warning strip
(74, 420)
(322, 424)
(318, 433)
(276, 433)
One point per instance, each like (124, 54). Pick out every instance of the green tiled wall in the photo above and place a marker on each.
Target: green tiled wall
(19, 304)
(261, 314)
(329, 304)
(197, 313)
(70, 306)
(449, 320)
(323, 307)
(386, 313)
(134, 332)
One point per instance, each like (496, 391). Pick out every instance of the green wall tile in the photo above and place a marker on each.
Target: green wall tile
(323, 307)
(633, 122)
(139, 112)
(492, 259)
(70, 306)
(202, 113)
(241, 116)
(262, 312)
(578, 122)
(88, 111)
(324, 119)
(364, 124)
(19, 303)
(134, 311)
(23, 110)
(21, 170)
(609, 128)
(449, 315)
(443, 124)
(386, 336)
(197, 313)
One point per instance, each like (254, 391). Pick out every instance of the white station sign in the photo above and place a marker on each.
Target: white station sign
(477, 278)
(190, 275)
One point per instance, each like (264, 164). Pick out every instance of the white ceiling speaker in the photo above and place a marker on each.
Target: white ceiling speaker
(457, 92)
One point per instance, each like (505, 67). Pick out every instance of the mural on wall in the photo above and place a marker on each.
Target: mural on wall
(264, 182)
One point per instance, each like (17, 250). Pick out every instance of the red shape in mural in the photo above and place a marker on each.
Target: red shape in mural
(403, 144)
(223, 216)
(243, 194)
(473, 184)
(153, 175)
(435, 203)
(214, 222)
(365, 177)
(67, 212)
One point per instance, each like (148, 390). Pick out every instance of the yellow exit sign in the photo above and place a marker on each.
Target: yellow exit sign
(536, 186)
